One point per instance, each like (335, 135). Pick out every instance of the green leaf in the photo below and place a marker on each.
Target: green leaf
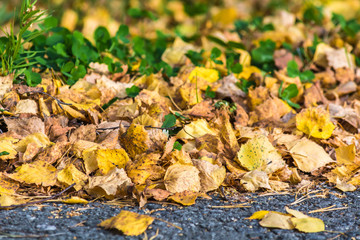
(108, 104)
(169, 121)
(195, 57)
(122, 33)
(32, 79)
(6, 153)
(236, 68)
(177, 146)
(288, 93)
(264, 53)
(244, 85)
(193, 9)
(307, 76)
(67, 67)
(209, 93)
(77, 73)
(313, 14)
(215, 53)
(102, 38)
(133, 91)
(50, 22)
(292, 69)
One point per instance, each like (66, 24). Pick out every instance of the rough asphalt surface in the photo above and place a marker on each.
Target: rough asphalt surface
(200, 221)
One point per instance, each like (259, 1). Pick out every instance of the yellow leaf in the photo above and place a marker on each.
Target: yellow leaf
(40, 139)
(179, 178)
(145, 167)
(258, 215)
(75, 200)
(7, 186)
(277, 220)
(7, 145)
(211, 175)
(113, 184)
(254, 180)
(196, 129)
(8, 200)
(315, 122)
(209, 75)
(70, 174)
(258, 153)
(136, 140)
(225, 16)
(309, 224)
(295, 213)
(105, 159)
(247, 71)
(308, 155)
(69, 19)
(39, 173)
(185, 198)
(130, 223)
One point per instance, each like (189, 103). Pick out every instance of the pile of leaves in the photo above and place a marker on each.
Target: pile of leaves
(216, 102)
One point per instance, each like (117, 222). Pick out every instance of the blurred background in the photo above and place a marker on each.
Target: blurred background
(186, 16)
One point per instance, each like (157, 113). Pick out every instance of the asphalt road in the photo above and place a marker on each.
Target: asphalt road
(201, 221)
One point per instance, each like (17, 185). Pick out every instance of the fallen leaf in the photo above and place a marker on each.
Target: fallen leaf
(115, 183)
(254, 180)
(75, 200)
(38, 172)
(70, 174)
(277, 220)
(179, 178)
(185, 198)
(130, 223)
(315, 122)
(258, 153)
(308, 155)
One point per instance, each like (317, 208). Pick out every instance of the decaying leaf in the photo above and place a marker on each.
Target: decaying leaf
(211, 175)
(130, 223)
(308, 155)
(113, 184)
(179, 178)
(185, 198)
(254, 180)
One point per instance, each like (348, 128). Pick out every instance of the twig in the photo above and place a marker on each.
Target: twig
(37, 202)
(59, 102)
(328, 209)
(8, 235)
(171, 224)
(240, 205)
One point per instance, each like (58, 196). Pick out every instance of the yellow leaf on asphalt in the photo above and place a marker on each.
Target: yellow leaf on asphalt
(308, 225)
(75, 200)
(70, 174)
(130, 223)
(315, 122)
(39, 173)
(277, 220)
(258, 215)
(185, 198)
